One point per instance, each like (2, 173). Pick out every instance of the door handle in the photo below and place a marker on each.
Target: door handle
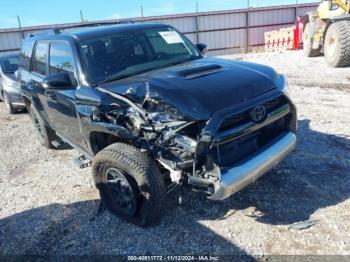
(50, 94)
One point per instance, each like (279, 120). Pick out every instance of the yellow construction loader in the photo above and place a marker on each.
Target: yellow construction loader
(327, 31)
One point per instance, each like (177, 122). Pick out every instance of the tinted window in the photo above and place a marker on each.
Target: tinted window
(9, 65)
(61, 59)
(40, 58)
(26, 53)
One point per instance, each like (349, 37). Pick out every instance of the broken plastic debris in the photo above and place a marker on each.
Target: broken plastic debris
(304, 224)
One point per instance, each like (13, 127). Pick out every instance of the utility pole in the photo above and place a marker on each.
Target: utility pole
(81, 16)
(141, 8)
(20, 26)
(197, 7)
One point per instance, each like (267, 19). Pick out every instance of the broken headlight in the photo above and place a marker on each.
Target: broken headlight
(185, 143)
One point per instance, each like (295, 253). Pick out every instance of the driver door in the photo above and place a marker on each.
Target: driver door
(61, 102)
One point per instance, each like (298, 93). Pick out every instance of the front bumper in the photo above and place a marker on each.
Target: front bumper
(236, 178)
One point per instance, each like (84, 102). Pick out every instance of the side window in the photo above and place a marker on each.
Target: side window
(25, 54)
(40, 58)
(61, 59)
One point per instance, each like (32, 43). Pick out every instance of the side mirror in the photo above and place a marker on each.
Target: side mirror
(202, 48)
(57, 81)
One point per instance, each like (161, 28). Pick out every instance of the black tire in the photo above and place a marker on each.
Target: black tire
(308, 41)
(141, 202)
(9, 107)
(44, 134)
(337, 44)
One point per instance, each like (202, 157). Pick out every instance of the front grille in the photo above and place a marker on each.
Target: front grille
(242, 117)
(231, 152)
(240, 137)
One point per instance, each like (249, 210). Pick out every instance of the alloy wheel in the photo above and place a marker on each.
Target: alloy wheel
(121, 191)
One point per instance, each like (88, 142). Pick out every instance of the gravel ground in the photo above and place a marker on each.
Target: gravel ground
(48, 206)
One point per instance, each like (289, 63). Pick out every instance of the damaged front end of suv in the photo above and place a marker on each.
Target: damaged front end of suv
(218, 153)
(149, 112)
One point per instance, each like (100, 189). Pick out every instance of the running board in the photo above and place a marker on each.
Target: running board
(82, 162)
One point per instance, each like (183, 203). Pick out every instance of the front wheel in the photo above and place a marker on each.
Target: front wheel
(130, 184)
(337, 44)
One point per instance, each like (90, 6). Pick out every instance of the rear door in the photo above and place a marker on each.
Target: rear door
(61, 102)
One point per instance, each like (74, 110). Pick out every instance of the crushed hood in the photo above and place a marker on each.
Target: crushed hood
(199, 88)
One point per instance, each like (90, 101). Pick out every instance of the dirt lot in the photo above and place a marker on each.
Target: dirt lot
(48, 206)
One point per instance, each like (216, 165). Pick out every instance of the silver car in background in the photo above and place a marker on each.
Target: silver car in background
(10, 92)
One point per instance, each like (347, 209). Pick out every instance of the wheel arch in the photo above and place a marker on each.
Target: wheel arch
(334, 20)
(100, 138)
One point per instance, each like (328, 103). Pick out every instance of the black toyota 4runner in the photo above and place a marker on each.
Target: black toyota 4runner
(151, 112)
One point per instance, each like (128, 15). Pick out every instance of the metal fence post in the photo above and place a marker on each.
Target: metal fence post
(197, 22)
(247, 30)
(20, 26)
(81, 16)
(197, 28)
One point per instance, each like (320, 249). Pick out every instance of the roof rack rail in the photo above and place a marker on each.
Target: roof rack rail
(92, 24)
(101, 23)
(52, 31)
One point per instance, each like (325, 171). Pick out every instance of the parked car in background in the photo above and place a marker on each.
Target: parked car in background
(151, 112)
(10, 91)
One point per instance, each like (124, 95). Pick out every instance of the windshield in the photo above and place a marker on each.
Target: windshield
(123, 54)
(9, 65)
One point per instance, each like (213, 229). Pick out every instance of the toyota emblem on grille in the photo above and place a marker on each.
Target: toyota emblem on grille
(258, 113)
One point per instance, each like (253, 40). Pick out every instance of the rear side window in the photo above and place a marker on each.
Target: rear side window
(61, 59)
(25, 54)
(40, 58)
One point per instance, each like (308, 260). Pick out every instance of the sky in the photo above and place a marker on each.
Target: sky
(43, 12)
